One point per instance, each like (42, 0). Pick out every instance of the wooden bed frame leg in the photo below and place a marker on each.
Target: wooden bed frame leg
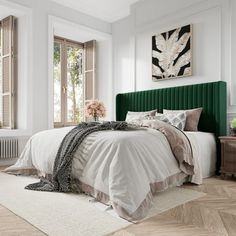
(222, 176)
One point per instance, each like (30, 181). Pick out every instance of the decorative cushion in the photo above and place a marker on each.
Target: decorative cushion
(176, 119)
(192, 117)
(133, 117)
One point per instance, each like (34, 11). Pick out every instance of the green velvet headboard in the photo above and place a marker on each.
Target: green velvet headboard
(211, 96)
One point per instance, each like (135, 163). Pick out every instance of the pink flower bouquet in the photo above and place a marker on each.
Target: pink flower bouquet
(95, 109)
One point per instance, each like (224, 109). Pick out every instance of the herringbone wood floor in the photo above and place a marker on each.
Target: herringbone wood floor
(214, 214)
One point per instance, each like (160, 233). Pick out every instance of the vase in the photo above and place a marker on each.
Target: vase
(95, 118)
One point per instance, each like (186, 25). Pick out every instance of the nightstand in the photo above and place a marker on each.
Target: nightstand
(228, 155)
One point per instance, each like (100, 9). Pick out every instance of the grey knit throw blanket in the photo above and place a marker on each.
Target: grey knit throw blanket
(61, 177)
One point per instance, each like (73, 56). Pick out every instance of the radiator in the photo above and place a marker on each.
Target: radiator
(8, 148)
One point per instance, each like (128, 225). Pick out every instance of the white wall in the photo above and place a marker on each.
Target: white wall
(123, 58)
(104, 83)
(33, 92)
(214, 50)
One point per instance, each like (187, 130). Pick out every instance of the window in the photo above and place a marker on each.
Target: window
(7, 72)
(74, 76)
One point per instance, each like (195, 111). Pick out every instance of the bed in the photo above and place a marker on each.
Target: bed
(211, 96)
(125, 169)
(204, 144)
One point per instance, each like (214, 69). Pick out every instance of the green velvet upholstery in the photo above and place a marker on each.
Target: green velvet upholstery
(211, 96)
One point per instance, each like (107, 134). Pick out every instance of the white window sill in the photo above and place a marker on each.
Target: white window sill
(14, 132)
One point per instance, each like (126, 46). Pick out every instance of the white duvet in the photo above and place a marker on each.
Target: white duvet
(120, 164)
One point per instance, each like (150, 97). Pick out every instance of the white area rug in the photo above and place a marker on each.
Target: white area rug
(62, 214)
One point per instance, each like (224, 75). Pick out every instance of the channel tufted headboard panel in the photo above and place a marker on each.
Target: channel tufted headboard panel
(211, 96)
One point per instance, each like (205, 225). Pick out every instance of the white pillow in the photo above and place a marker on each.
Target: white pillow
(133, 117)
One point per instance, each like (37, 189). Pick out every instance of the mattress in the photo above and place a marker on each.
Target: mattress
(204, 145)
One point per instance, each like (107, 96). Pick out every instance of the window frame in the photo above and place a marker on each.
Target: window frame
(9, 121)
(64, 44)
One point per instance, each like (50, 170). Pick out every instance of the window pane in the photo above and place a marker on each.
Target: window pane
(57, 82)
(74, 84)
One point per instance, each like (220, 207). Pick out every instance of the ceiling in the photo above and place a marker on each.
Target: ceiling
(7, 11)
(107, 10)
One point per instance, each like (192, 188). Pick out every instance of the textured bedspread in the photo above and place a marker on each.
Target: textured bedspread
(121, 168)
(61, 179)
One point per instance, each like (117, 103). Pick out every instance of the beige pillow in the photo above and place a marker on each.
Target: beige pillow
(133, 116)
(192, 118)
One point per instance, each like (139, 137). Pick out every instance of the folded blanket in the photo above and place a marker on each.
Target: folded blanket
(179, 143)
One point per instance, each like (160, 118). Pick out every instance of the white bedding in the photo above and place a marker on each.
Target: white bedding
(205, 146)
(119, 164)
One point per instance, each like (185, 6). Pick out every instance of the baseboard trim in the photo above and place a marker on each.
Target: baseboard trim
(8, 162)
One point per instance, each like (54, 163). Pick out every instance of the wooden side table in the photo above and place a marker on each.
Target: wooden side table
(228, 155)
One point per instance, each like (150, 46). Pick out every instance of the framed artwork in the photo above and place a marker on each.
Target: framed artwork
(172, 54)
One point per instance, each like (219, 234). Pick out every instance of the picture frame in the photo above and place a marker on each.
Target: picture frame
(172, 54)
